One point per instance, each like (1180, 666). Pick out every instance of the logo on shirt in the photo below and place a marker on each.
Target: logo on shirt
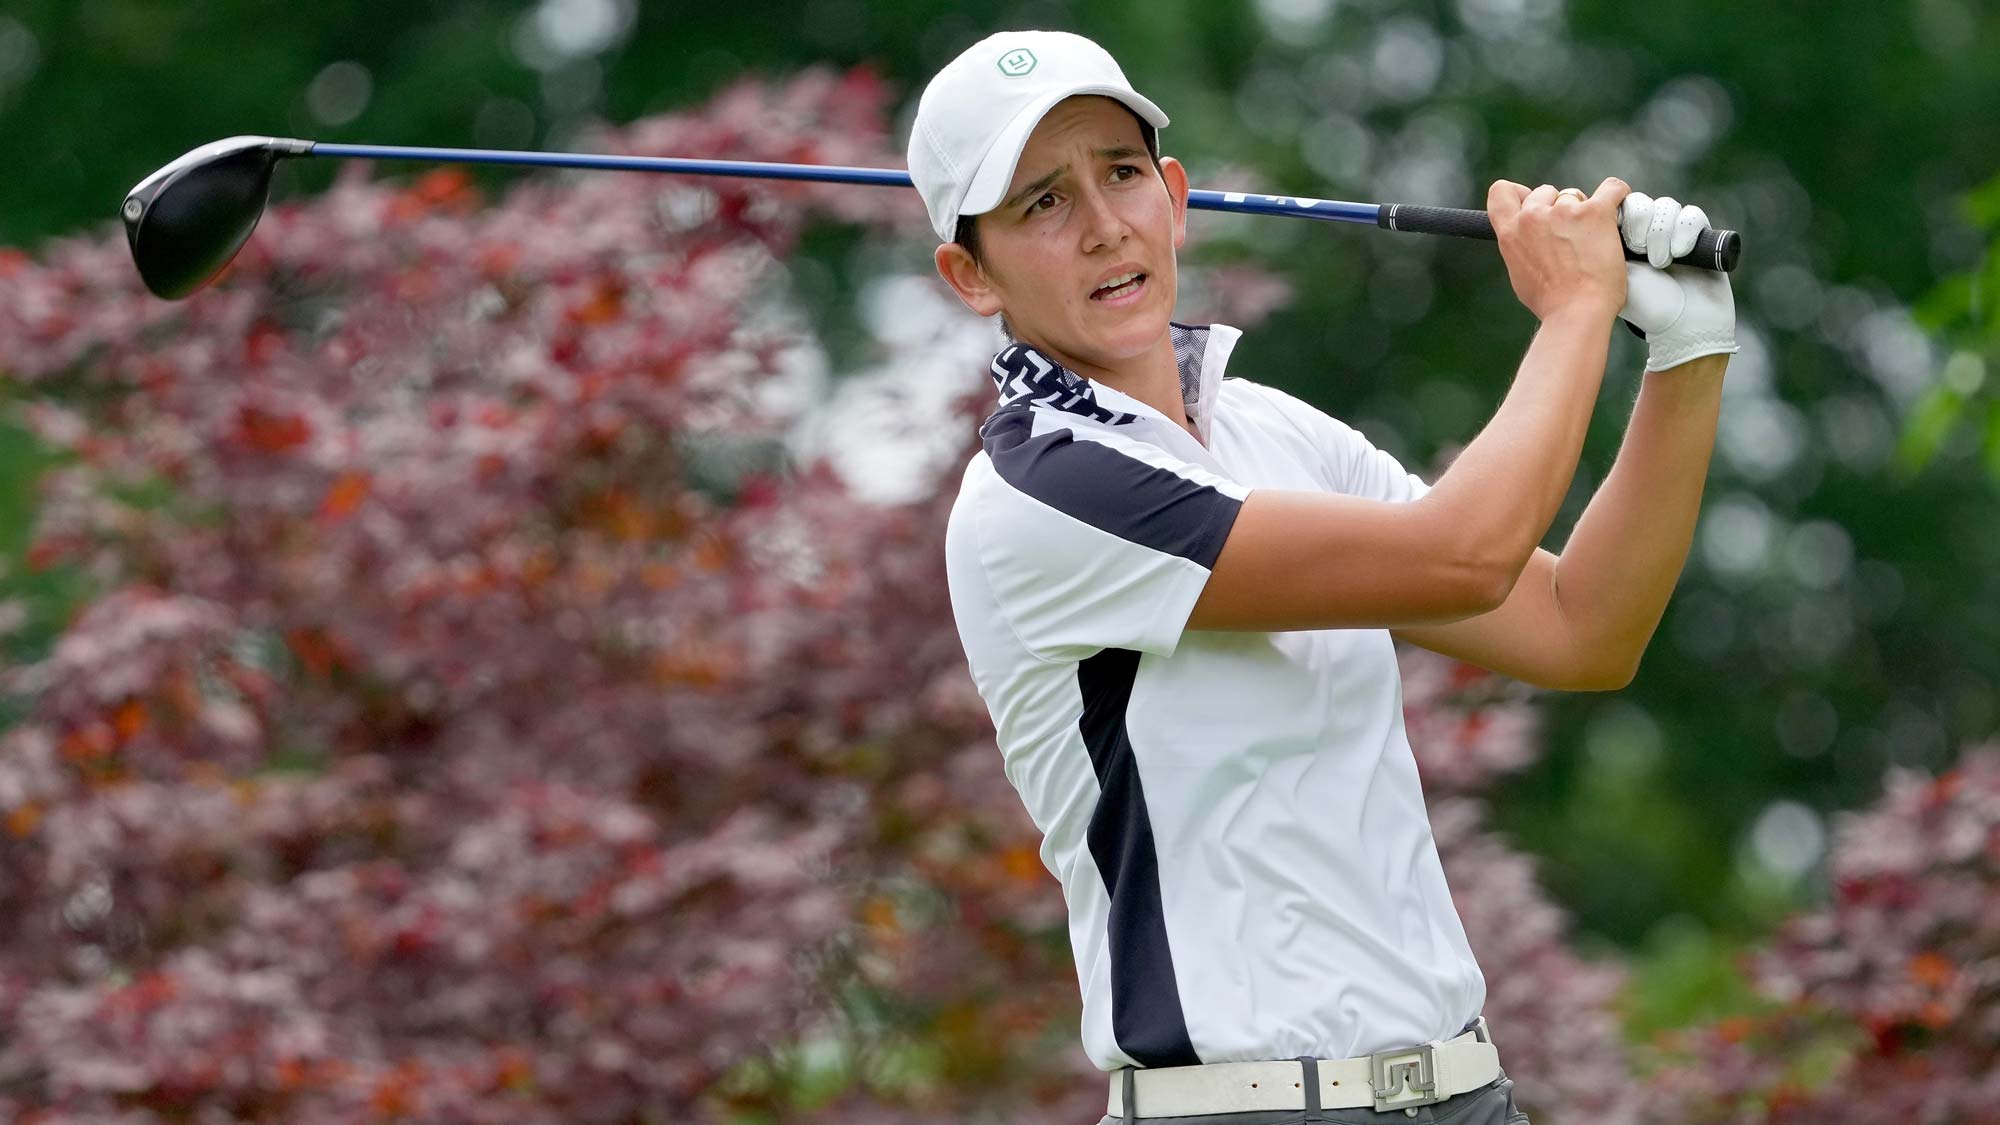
(1017, 62)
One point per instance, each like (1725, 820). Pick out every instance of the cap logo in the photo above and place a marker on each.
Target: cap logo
(1017, 62)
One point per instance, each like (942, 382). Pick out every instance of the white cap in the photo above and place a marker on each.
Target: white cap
(975, 116)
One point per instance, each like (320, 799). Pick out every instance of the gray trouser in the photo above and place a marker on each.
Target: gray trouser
(1491, 1104)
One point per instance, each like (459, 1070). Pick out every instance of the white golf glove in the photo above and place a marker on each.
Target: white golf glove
(1686, 312)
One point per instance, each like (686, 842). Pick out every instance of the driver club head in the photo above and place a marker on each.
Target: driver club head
(187, 220)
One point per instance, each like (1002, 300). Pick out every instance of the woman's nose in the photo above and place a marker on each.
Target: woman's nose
(1103, 225)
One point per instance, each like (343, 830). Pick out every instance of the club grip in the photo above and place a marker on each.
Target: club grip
(1713, 249)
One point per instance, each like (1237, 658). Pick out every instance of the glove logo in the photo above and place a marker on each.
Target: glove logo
(1017, 62)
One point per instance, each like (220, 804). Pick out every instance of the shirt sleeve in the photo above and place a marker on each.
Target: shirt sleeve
(1353, 465)
(1369, 472)
(1091, 544)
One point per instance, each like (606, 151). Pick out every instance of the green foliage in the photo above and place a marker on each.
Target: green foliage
(1963, 407)
(1683, 975)
(46, 597)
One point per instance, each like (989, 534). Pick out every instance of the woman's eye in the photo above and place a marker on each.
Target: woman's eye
(1126, 168)
(1037, 204)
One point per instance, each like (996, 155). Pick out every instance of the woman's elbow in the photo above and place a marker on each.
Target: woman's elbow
(1480, 567)
(1604, 675)
(1485, 579)
(1468, 588)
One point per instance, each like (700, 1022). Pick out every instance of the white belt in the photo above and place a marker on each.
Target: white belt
(1401, 1079)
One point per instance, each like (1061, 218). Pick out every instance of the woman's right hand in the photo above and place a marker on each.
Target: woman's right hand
(1563, 253)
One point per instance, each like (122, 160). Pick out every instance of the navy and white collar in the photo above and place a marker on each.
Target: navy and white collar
(1024, 375)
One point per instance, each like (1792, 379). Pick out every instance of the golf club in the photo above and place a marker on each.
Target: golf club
(187, 220)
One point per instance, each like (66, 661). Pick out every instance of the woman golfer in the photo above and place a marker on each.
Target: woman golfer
(1178, 595)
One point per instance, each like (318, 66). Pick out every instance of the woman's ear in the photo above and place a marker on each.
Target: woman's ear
(1177, 190)
(967, 279)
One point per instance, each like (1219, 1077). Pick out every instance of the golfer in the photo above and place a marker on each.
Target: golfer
(1179, 592)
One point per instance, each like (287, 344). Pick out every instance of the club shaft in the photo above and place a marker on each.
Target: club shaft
(824, 173)
(1715, 250)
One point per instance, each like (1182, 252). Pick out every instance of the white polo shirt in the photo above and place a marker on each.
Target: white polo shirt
(1235, 817)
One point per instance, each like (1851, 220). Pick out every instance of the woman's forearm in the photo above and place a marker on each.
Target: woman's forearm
(1501, 493)
(1625, 555)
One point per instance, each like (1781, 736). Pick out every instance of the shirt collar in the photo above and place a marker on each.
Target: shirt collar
(1024, 374)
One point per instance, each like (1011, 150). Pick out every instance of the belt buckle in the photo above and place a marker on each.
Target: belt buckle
(1411, 1071)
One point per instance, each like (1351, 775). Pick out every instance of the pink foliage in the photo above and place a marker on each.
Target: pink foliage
(1893, 986)
(1468, 726)
(1552, 1012)
(436, 746)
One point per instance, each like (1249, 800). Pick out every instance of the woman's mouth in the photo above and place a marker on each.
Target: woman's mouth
(1120, 290)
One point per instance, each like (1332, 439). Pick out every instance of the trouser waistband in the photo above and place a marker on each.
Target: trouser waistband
(1387, 1080)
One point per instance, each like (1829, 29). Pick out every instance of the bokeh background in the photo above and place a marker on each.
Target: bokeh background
(486, 658)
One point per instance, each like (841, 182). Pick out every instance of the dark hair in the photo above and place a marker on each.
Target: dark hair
(966, 233)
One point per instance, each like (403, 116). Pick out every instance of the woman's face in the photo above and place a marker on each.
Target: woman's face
(1085, 207)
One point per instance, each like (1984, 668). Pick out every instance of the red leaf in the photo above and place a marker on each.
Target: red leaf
(315, 650)
(345, 495)
(89, 743)
(22, 820)
(603, 307)
(128, 719)
(270, 432)
(261, 343)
